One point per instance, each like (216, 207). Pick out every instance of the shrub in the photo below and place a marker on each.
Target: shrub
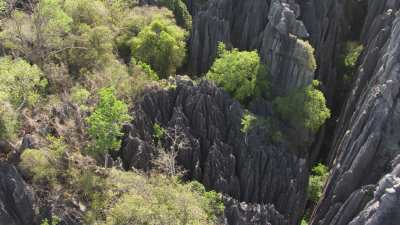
(162, 201)
(146, 69)
(38, 36)
(79, 96)
(240, 73)
(248, 122)
(105, 123)
(8, 120)
(213, 202)
(304, 108)
(54, 221)
(40, 165)
(94, 49)
(159, 132)
(162, 46)
(182, 15)
(316, 182)
(134, 21)
(311, 62)
(90, 12)
(348, 63)
(20, 82)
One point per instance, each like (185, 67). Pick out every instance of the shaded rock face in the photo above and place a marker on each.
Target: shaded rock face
(271, 27)
(203, 125)
(16, 199)
(384, 208)
(366, 139)
(250, 214)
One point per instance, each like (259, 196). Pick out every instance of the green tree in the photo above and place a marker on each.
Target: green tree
(20, 82)
(162, 46)
(40, 35)
(93, 49)
(304, 108)
(106, 121)
(90, 12)
(316, 182)
(182, 15)
(240, 73)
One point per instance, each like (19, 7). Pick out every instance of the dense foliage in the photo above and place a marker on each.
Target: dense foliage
(71, 68)
(162, 46)
(316, 182)
(105, 123)
(347, 65)
(304, 108)
(118, 197)
(240, 73)
(182, 15)
(20, 86)
(309, 52)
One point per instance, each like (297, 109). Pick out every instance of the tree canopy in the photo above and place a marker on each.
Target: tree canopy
(240, 73)
(105, 123)
(304, 108)
(162, 46)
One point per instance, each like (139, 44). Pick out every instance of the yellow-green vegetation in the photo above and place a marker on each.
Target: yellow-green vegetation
(317, 181)
(348, 62)
(116, 197)
(147, 70)
(182, 15)
(159, 132)
(54, 221)
(20, 86)
(80, 96)
(311, 62)
(8, 120)
(162, 46)
(20, 82)
(40, 165)
(161, 200)
(38, 35)
(105, 123)
(304, 108)
(248, 122)
(240, 73)
(43, 165)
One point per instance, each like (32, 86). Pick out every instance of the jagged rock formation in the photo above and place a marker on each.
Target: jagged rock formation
(384, 208)
(204, 125)
(366, 139)
(249, 214)
(16, 199)
(271, 27)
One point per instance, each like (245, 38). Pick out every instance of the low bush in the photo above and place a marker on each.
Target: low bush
(40, 165)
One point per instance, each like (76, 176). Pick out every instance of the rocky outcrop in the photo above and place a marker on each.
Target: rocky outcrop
(384, 208)
(271, 27)
(241, 213)
(16, 199)
(204, 127)
(366, 139)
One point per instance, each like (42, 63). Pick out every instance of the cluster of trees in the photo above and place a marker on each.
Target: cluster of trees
(98, 55)
(120, 197)
(243, 75)
(80, 49)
